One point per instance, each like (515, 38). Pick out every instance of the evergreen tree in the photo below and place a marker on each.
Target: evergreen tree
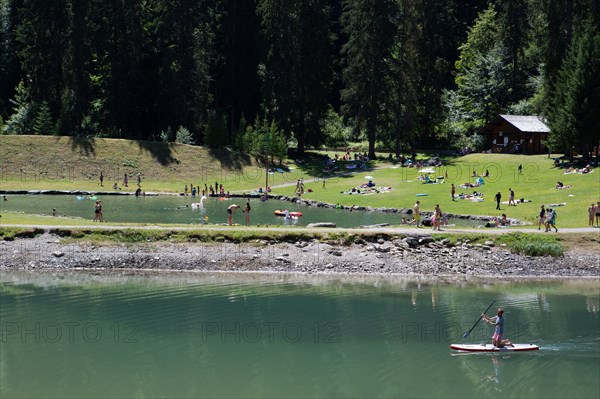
(9, 67)
(237, 48)
(513, 30)
(561, 19)
(574, 106)
(216, 135)
(21, 120)
(78, 59)
(43, 123)
(184, 39)
(484, 84)
(371, 30)
(41, 35)
(298, 65)
(404, 78)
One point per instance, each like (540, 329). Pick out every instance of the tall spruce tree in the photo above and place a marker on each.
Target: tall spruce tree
(9, 66)
(404, 77)
(237, 49)
(185, 41)
(574, 104)
(371, 29)
(77, 65)
(42, 38)
(298, 65)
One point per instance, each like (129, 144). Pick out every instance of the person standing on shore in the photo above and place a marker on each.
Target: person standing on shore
(498, 198)
(246, 210)
(453, 191)
(542, 217)
(592, 213)
(139, 179)
(231, 212)
(97, 208)
(598, 214)
(101, 179)
(436, 220)
(417, 214)
(125, 180)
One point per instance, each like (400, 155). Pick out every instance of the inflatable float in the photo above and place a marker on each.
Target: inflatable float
(291, 214)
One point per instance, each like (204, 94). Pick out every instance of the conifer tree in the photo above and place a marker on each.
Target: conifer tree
(371, 30)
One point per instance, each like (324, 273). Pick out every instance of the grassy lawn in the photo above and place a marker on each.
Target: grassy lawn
(536, 183)
(43, 162)
(66, 163)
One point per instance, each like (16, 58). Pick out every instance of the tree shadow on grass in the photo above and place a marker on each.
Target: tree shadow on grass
(84, 145)
(231, 160)
(161, 152)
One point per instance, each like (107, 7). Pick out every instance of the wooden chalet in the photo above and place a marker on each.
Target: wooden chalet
(517, 134)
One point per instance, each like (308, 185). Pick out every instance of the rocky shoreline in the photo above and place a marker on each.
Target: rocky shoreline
(410, 256)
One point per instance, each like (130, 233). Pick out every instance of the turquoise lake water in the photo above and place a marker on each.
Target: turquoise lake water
(272, 336)
(177, 210)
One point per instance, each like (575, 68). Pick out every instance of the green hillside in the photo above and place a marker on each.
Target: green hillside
(42, 162)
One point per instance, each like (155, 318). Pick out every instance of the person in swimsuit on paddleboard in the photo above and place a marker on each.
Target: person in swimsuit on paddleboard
(498, 322)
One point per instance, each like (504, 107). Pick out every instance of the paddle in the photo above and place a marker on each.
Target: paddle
(465, 335)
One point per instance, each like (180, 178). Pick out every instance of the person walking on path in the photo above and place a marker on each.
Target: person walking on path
(498, 198)
(511, 197)
(453, 191)
(551, 220)
(542, 220)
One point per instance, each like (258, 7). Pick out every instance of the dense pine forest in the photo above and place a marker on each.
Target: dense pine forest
(394, 74)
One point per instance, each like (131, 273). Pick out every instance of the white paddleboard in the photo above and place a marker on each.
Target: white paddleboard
(492, 348)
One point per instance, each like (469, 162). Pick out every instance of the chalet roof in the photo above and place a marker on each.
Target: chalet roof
(527, 123)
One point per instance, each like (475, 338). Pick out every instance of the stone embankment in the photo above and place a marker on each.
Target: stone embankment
(411, 255)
